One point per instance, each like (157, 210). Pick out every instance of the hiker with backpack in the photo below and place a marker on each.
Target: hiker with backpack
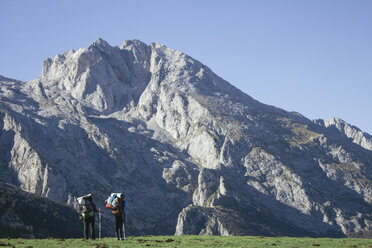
(87, 209)
(116, 202)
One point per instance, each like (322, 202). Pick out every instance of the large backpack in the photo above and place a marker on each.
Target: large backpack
(86, 208)
(112, 200)
(116, 204)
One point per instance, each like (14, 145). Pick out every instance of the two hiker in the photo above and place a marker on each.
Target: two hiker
(87, 208)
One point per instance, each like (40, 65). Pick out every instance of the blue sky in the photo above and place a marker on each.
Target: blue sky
(313, 56)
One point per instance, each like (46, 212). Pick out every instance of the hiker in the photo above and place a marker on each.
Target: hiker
(87, 209)
(117, 204)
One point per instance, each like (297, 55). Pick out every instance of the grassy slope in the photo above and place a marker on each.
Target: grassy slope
(192, 241)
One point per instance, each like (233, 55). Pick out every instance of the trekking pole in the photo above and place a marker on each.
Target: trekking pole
(124, 224)
(124, 229)
(99, 224)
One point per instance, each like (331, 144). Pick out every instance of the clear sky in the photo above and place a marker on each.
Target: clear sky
(309, 56)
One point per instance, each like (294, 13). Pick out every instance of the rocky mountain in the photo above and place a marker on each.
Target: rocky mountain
(192, 153)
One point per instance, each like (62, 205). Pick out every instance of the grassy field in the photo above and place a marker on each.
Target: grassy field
(189, 241)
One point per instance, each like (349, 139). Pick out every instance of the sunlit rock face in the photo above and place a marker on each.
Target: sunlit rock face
(193, 154)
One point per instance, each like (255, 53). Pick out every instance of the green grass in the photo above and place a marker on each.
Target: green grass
(189, 241)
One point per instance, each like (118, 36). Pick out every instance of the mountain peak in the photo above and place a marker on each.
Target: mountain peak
(134, 42)
(100, 44)
(99, 40)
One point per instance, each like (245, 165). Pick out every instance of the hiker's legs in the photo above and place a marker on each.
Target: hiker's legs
(92, 231)
(121, 227)
(121, 230)
(118, 227)
(85, 228)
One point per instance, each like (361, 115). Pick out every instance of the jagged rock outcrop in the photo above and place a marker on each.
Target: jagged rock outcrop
(359, 137)
(193, 154)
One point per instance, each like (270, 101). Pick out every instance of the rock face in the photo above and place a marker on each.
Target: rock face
(193, 154)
